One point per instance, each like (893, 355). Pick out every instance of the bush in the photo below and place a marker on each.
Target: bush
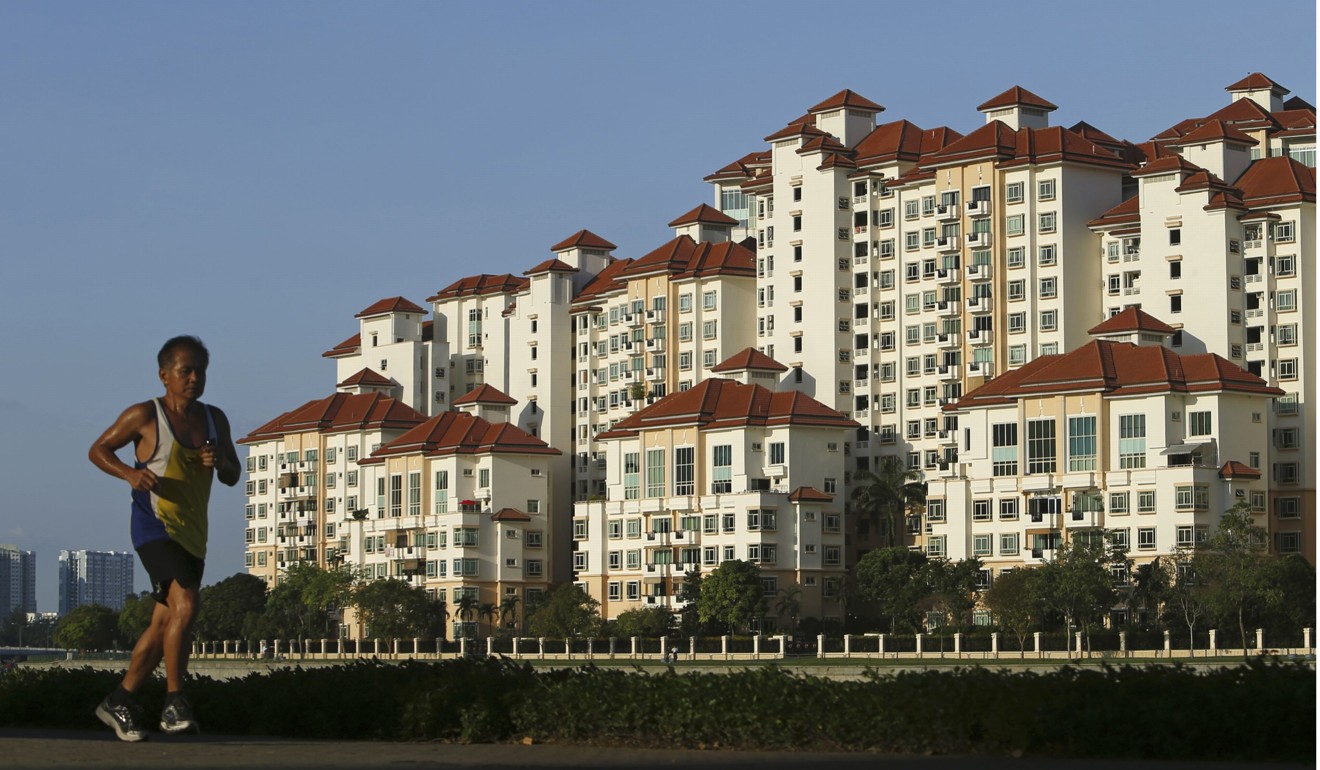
(1263, 710)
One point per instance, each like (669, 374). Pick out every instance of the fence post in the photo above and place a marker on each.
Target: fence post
(820, 645)
(462, 646)
(1079, 644)
(516, 644)
(1035, 638)
(439, 647)
(1122, 643)
(756, 646)
(1214, 640)
(847, 645)
(568, 648)
(882, 644)
(590, 648)
(632, 650)
(994, 644)
(613, 646)
(1260, 640)
(1306, 638)
(664, 648)
(1168, 642)
(919, 640)
(692, 647)
(724, 646)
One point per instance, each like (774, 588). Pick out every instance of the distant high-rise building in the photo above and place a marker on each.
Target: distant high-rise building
(18, 580)
(95, 577)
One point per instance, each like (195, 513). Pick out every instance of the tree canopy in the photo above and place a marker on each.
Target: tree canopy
(231, 608)
(396, 609)
(884, 496)
(88, 627)
(894, 581)
(567, 611)
(732, 595)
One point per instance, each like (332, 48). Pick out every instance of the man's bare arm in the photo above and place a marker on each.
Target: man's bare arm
(125, 430)
(224, 456)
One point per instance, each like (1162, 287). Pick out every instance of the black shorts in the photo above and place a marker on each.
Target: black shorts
(168, 562)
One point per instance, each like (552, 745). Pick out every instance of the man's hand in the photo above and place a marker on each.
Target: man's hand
(208, 454)
(142, 479)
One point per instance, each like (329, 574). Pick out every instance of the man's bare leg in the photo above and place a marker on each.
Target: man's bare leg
(177, 638)
(148, 651)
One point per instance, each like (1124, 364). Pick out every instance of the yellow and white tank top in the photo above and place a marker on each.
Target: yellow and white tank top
(176, 510)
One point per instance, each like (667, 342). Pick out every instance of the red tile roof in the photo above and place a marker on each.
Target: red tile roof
(1213, 131)
(551, 266)
(809, 495)
(450, 433)
(481, 286)
(1014, 96)
(1244, 113)
(607, 281)
(824, 143)
(583, 239)
(795, 129)
(1117, 369)
(749, 358)
(849, 99)
(1125, 213)
(366, 376)
(510, 514)
(1298, 103)
(1169, 164)
(720, 403)
(683, 257)
(1253, 82)
(345, 348)
(993, 140)
(1277, 181)
(742, 167)
(1131, 319)
(485, 394)
(1048, 145)
(899, 140)
(338, 413)
(391, 305)
(704, 214)
(1236, 470)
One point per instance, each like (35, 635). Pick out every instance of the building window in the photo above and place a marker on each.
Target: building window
(935, 546)
(1008, 544)
(722, 470)
(1081, 443)
(1145, 538)
(1118, 502)
(655, 472)
(1191, 498)
(981, 545)
(1132, 441)
(1199, 423)
(1041, 448)
(1013, 192)
(1045, 190)
(1047, 256)
(1287, 369)
(1049, 320)
(1014, 224)
(1004, 450)
(1047, 222)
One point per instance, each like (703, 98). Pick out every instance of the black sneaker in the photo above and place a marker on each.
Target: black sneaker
(124, 718)
(178, 717)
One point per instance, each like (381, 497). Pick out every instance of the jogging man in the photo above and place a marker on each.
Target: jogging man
(179, 445)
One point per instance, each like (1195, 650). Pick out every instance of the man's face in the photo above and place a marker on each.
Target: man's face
(185, 377)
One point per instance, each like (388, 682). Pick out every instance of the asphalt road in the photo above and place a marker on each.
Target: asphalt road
(23, 749)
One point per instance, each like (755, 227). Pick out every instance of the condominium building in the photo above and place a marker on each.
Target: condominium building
(732, 468)
(18, 580)
(1123, 436)
(95, 577)
(892, 269)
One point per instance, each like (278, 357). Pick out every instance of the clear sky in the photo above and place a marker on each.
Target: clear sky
(257, 172)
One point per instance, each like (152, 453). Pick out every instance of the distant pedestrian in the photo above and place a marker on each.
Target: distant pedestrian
(179, 445)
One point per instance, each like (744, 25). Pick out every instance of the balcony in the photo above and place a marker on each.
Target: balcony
(655, 374)
(949, 373)
(653, 316)
(948, 437)
(946, 308)
(948, 340)
(979, 272)
(860, 291)
(978, 240)
(656, 345)
(947, 275)
(947, 213)
(1257, 278)
(482, 493)
(947, 243)
(981, 369)
(979, 304)
(978, 208)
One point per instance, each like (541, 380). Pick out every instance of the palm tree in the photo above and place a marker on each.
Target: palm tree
(466, 606)
(887, 494)
(488, 610)
(508, 609)
(788, 603)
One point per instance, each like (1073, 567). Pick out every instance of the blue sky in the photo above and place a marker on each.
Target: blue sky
(256, 173)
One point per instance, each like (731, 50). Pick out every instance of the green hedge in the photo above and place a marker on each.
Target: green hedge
(1261, 711)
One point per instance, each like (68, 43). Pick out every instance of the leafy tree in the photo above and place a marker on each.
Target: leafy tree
(1237, 570)
(884, 497)
(1151, 584)
(893, 580)
(395, 609)
(732, 595)
(135, 616)
(644, 621)
(951, 589)
(788, 603)
(568, 611)
(1185, 599)
(689, 619)
(87, 627)
(1018, 602)
(1294, 577)
(1080, 583)
(488, 611)
(231, 608)
(306, 604)
(13, 628)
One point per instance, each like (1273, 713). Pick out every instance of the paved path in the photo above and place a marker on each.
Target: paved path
(23, 749)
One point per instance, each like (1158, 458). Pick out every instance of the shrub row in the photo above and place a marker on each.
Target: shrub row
(1262, 711)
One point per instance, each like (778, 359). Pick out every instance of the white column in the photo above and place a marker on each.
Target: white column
(1079, 644)
(919, 640)
(1260, 640)
(882, 644)
(957, 643)
(994, 643)
(1214, 640)
(1035, 637)
(847, 645)
(820, 646)
(1306, 638)
(1168, 642)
